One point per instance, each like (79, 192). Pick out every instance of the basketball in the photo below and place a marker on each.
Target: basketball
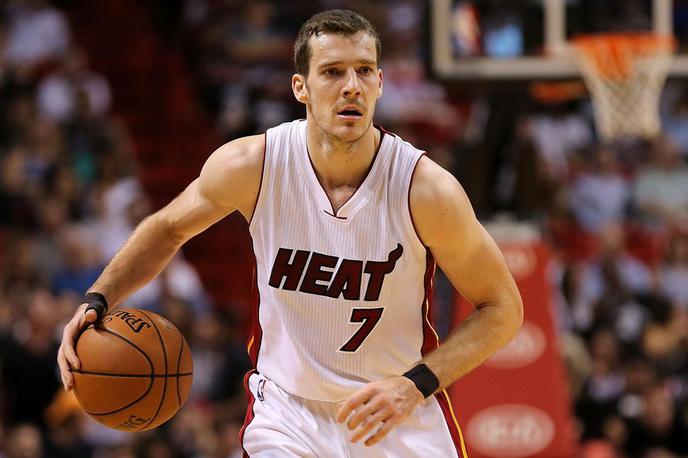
(136, 370)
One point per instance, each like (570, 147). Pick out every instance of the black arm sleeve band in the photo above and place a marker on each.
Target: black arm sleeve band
(424, 379)
(97, 302)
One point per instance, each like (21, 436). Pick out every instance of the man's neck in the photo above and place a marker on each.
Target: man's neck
(341, 164)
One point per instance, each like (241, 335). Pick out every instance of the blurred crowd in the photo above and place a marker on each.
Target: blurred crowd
(616, 215)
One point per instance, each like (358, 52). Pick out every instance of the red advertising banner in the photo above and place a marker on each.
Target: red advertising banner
(516, 404)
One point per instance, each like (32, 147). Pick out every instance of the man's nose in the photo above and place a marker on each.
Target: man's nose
(352, 84)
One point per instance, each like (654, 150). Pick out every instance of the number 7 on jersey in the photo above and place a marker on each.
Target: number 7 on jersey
(369, 317)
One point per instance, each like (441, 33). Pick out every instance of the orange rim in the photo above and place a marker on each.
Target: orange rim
(612, 54)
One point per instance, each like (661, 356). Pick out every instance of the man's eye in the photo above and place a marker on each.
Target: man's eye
(365, 69)
(332, 72)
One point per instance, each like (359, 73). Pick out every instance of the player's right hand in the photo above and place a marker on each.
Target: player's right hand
(66, 355)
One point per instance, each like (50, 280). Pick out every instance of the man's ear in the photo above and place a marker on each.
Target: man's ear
(298, 86)
(379, 89)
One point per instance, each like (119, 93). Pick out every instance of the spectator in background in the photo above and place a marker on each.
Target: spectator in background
(27, 374)
(219, 359)
(674, 109)
(665, 334)
(20, 115)
(600, 195)
(255, 41)
(411, 98)
(578, 299)
(557, 136)
(7, 83)
(45, 144)
(37, 33)
(16, 205)
(605, 385)
(660, 430)
(24, 441)
(20, 273)
(673, 272)
(58, 93)
(661, 188)
(615, 273)
(66, 435)
(81, 260)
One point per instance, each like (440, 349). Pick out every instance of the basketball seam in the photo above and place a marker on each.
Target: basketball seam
(109, 374)
(164, 387)
(179, 359)
(150, 385)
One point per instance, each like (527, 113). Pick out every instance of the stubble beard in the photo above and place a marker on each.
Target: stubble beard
(331, 140)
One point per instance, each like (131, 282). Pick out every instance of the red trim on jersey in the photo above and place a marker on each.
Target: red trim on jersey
(256, 336)
(249, 410)
(335, 216)
(255, 340)
(454, 430)
(431, 342)
(383, 130)
(408, 200)
(430, 338)
(262, 173)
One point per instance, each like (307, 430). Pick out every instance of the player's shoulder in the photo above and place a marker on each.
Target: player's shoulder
(439, 206)
(242, 153)
(431, 184)
(231, 175)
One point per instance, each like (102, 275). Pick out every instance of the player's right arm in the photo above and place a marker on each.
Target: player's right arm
(229, 181)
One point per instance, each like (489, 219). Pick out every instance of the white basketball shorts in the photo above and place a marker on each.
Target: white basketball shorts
(282, 425)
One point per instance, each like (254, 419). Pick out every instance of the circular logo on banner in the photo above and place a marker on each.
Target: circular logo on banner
(528, 345)
(510, 431)
(520, 259)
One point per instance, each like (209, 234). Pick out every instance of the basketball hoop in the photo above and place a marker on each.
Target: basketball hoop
(625, 74)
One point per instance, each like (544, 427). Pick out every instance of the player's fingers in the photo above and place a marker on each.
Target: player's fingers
(364, 412)
(65, 374)
(357, 399)
(68, 337)
(386, 427)
(69, 378)
(89, 317)
(71, 356)
(371, 422)
(72, 331)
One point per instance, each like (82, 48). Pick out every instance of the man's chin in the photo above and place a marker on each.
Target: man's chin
(351, 131)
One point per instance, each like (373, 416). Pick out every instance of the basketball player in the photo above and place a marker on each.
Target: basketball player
(347, 221)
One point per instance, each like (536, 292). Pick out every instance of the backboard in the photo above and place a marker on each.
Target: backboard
(528, 39)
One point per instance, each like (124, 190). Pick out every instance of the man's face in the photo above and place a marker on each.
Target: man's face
(342, 86)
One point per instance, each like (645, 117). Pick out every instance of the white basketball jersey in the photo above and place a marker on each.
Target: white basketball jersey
(341, 295)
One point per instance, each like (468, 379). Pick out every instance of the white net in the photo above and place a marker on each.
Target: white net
(625, 75)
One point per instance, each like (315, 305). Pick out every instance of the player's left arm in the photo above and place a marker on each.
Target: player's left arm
(446, 224)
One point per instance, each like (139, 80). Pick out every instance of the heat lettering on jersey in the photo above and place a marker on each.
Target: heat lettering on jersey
(289, 267)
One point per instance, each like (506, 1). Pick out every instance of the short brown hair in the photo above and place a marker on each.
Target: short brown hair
(342, 22)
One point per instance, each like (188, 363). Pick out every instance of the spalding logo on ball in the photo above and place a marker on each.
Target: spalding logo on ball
(136, 370)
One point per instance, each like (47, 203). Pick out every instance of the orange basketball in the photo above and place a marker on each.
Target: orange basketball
(136, 370)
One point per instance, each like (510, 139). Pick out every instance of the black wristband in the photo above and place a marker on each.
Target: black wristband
(424, 379)
(97, 302)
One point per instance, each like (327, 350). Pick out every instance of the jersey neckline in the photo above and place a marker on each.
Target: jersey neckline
(359, 196)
